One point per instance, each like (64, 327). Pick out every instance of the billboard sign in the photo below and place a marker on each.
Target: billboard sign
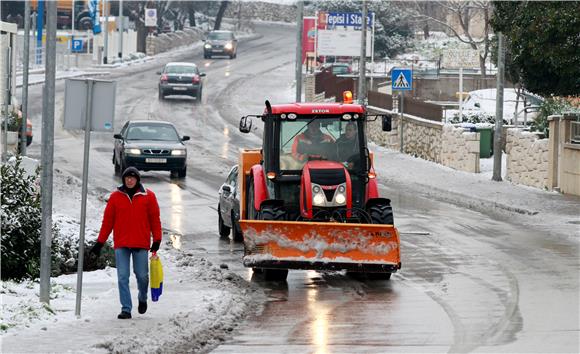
(341, 43)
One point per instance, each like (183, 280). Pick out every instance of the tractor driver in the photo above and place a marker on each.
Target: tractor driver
(310, 142)
(347, 144)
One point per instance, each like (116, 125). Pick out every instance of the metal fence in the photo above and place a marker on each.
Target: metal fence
(332, 86)
(422, 109)
(380, 100)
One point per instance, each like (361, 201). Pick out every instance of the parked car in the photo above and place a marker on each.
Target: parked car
(229, 207)
(220, 43)
(180, 79)
(336, 68)
(483, 101)
(150, 146)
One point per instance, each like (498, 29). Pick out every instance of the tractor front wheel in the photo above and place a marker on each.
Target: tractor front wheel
(381, 214)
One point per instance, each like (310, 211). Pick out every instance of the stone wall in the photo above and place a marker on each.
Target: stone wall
(167, 41)
(422, 138)
(432, 141)
(527, 158)
(460, 149)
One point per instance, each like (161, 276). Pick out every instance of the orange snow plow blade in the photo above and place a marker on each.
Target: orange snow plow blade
(324, 246)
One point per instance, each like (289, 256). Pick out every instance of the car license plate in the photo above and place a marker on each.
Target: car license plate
(152, 160)
(218, 50)
(180, 88)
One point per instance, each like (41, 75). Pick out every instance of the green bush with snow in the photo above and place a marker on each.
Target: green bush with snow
(21, 221)
(21, 231)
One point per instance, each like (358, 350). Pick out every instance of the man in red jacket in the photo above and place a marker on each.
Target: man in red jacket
(132, 213)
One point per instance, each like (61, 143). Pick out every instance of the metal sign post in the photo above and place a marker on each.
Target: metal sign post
(88, 121)
(402, 80)
(95, 101)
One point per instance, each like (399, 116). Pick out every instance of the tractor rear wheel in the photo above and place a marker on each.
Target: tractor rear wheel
(223, 229)
(379, 276)
(275, 274)
(272, 213)
(382, 214)
(236, 230)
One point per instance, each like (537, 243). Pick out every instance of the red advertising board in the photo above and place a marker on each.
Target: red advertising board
(308, 37)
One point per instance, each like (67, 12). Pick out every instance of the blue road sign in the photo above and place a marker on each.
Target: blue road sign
(77, 45)
(402, 79)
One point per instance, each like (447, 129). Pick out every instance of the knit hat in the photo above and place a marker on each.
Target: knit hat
(131, 171)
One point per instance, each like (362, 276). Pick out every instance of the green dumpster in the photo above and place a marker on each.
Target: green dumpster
(485, 142)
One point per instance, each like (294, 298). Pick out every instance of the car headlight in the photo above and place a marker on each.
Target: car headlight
(228, 46)
(179, 152)
(207, 46)
(134, 151)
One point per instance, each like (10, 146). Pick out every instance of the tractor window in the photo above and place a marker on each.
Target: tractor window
(318, 139)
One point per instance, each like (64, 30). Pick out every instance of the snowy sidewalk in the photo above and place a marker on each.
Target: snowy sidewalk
(557, 214)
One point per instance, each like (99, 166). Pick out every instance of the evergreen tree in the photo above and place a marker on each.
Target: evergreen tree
(543, 43)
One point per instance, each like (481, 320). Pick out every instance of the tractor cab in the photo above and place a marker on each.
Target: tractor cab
(316, 161)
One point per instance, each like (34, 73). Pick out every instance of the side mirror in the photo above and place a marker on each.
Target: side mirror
(202, 74)
(118, 136)
(185, 138)
(387, 123)
(245, 126)
(226, 188)
(477, 105)
(158, 72)
(203, 40)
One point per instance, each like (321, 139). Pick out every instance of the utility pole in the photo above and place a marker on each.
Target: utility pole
(362, 61)
(47, 150)
(121, 30)
(26, 64)
(498, 109)
(106, 40)
(299, 20)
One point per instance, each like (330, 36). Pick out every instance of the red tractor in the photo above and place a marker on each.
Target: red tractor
(309, 197)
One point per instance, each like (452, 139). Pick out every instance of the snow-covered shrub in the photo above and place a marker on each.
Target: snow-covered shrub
(474, 118)
(21, 231)
(21, 221)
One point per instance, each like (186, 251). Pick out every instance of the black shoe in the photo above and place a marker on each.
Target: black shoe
(142, 307)
(124, 315)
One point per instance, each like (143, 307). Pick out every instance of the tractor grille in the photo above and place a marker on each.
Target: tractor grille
(327, 177)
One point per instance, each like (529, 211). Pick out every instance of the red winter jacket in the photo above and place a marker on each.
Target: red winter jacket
(132, 221)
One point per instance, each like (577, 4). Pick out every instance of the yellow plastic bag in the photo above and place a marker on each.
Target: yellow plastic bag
(156, 277)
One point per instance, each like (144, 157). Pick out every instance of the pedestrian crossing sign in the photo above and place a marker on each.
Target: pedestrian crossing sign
(402, 79)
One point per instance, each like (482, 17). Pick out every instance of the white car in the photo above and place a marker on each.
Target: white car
(483, 101)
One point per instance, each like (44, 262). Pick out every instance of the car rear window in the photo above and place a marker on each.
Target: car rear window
(181, 69)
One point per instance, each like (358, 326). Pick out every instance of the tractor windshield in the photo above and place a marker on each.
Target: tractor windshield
(319, 138)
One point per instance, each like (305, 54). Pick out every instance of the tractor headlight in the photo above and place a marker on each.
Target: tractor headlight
(318, 197)
(318, 200)
(340, 195)
(134, 151)
(228, 46)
